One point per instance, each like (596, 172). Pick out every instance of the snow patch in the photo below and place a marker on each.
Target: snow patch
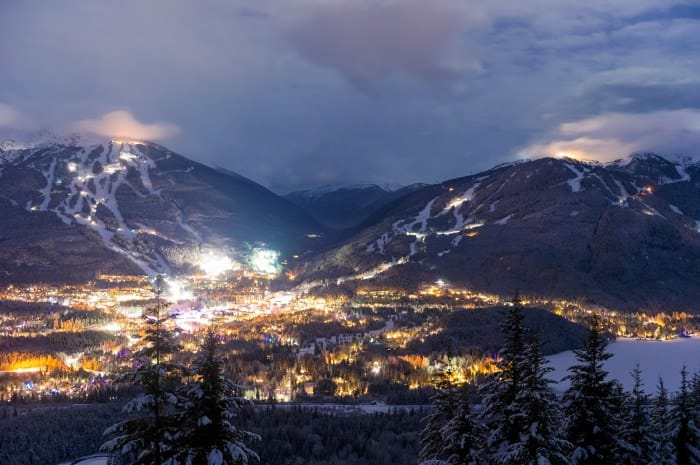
(675, 209)
(575, 183)
(505, 220)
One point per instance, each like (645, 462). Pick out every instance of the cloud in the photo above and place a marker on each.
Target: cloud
(369, 42)
(615, 135)
(9, 117)
(121, 123)
(260, 86)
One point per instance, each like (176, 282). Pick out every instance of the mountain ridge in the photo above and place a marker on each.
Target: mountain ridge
(144, 203)
(550, 226)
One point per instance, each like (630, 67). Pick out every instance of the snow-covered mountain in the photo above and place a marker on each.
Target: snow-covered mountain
(624, 234)
(70, 210)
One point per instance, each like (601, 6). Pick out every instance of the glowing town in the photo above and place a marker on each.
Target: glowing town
(70, 341)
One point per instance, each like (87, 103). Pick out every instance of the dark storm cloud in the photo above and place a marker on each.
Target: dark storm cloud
(368, 42)
(299, 92)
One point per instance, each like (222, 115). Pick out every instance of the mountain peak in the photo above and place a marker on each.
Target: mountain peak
(134, 201)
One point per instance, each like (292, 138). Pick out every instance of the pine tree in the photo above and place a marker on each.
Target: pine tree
(662, 449)
(686, 437)
(461, 435)
(695, 396)
(501, 415)
(590, 404)
(444, 400)
(540, 440)
(519, 407)
(636, 432)
(144, 439)
(206, 432)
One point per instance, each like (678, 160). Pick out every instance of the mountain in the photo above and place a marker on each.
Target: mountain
(344, 207)
(624, 234)
(72, 210)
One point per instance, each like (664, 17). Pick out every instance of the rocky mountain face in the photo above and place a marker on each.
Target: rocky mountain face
(625, 234)
(72, 210)
(345, 207)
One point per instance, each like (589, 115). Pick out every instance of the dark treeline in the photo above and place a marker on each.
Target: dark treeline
(69, 342)
(297, 436)
(50, 435)
(514, 417)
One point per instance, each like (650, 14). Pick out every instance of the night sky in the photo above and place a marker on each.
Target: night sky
(297, 93)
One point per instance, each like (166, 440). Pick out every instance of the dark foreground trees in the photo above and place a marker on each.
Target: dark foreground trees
(521, 420)
(205, 415)
(182, 416)
(146, 434)
(592, 405)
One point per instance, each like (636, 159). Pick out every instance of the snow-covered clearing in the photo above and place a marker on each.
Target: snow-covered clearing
(656, 359)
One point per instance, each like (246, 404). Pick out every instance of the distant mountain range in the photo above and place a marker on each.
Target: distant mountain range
(345, 207)
(623, 234)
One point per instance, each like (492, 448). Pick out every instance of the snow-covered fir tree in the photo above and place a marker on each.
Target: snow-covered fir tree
(145, 438)
(662, 450)
(542, 441)
(695, 396)
(519, 408)
(461, 436)
(502, 417)
(206, 433)
(591, 404)
(444, 400)
(636, 424)
(686, 436)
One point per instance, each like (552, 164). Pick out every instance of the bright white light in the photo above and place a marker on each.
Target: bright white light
(215, 263)
(127, 156)
(112, 327)
(175, 291)
(265, 261)
(72, 167)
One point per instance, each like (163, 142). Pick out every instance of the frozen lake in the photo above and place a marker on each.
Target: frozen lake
(656, 358)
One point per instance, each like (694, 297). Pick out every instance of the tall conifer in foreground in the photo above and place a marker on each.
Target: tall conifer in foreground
(636, 424)
(461, 435)
(686, 436)
(590, 404)
(144, 439)
(206, 434)
(445, 402)
(519, 408)
(502, 416)
(662, 449)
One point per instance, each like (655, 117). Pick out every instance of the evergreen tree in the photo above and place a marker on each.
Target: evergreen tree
(501, 415)
(519, 411)
(444, 400)
(686, 437)
(461, 435)
(590, 404)
(662, 451)
(636, 431)
(144, 439)
(695, 396)
(206, 433)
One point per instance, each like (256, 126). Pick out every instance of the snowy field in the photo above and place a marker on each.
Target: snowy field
(656, 358)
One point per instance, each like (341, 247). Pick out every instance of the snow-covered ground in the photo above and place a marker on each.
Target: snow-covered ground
(97, 459)
(656, 359)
